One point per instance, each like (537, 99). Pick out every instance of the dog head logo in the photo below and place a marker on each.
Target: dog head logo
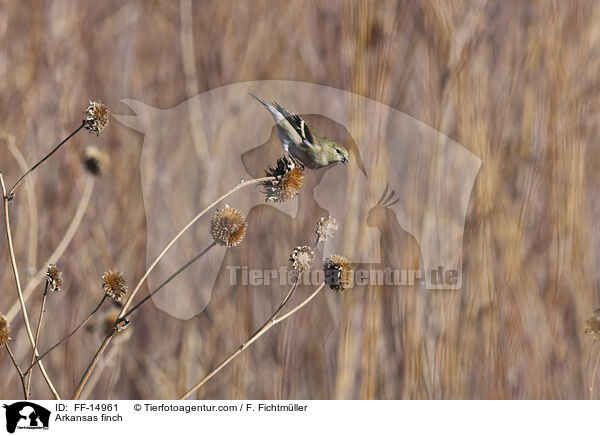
(196, 151)
(26, 415)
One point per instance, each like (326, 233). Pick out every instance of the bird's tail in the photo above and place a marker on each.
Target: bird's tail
(278, 116)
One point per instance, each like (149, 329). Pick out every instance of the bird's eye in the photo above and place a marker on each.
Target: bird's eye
(339, 152)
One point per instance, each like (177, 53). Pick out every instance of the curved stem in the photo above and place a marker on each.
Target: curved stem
(166, 282)
(81, 324)
(60, 248)
(261, 331)
(182, 231)
(33, 213)
(11, 253)
(37, 332)
(591, 387)
(301, 305)
(139, 284)
(18, 368)
(54, 150)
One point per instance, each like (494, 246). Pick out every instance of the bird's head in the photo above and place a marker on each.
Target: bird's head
(337, 153)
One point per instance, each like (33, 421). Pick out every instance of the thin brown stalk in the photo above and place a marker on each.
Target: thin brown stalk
(60, 248)
(31, 202)
(135, 290)
(37, 333)
(54, 150)
(593, 378)
(274, 320)
(166, 282)
(18, 368)
(11, 253)
(299, 306)
(63, 340)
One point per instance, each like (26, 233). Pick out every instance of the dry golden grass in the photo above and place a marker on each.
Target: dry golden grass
(514, 82)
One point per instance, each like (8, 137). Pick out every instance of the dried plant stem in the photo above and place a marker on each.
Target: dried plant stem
(593, 378)
(31, 202)
(166, 282)
(13, 261)
(18, 368)
(37, 332)
(81, 324)
(135, 290)
(54, 150)
(274, 320)
(300, 305)
(60, 248)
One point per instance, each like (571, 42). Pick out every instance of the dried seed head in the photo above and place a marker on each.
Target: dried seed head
(302, 258)
(96, 118)
(338, 273)
(95, 161)
(114, 285)
(287, 182)
(108, 323)
(326, 228)
(4, 336)
(228, 226)
(592, 325)
(54, 277)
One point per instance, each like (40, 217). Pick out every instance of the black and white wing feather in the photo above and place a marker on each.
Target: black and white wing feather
(297, 123)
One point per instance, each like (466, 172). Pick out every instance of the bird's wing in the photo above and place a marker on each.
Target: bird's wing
(297, 123)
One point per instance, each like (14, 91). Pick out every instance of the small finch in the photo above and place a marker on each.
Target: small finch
(305, 144)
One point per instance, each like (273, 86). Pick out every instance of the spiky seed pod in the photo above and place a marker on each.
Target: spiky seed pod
(228, 226)
(287, 182)
(338, 273)
(592, 325)
(54, 277)
(96, 117)
(326, 228)
(302, 258)
(114, 285)
(95, 161)
(4, 335)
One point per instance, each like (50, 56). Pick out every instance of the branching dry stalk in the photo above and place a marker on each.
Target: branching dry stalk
(139, 284)
(63, 340)
(166, 282)
(37, 333)
(54, 150)
(594, 370)
(31, 204)
(18, 368)
(15, 269)
(273, 320)
(60, 248)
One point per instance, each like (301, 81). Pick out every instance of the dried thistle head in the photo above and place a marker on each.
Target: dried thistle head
(228, 226)
(95, 161)
(592, 325)
(96, 117)
(302, 258)
(326, 228)
(4, 335)
(338, 273)
(54, 277)
(114, 285)
(287, 182)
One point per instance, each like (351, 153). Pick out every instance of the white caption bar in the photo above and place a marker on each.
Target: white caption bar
(297, 417)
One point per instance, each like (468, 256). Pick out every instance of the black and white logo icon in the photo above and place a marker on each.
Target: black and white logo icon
(26, 415)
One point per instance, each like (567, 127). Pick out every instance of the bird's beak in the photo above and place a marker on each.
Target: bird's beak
(346, 161)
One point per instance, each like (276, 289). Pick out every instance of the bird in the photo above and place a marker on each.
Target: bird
(305, 145)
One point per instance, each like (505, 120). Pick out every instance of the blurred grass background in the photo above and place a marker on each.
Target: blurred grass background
(515, 82)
